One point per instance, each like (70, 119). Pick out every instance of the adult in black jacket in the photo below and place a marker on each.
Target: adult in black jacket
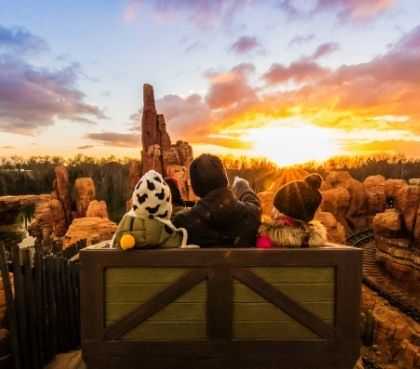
(222, 216)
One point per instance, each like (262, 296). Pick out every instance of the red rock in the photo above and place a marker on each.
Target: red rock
(355, 188)
(61, 189)
(392, 186)
(92, 229)
(375, 191)
(97, 209)
(387, 223)
(407, 201)
(335, 230)
(158, 152)
(395, 334)
(85, 192)
(59, 224)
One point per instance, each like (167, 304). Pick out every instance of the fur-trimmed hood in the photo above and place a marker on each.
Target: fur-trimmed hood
(310, 234)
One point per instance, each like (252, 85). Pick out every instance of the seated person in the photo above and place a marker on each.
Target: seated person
(295, 205)
(222, 216)
(148, 222)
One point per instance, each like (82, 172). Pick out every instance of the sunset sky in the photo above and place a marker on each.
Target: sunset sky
(292, 80)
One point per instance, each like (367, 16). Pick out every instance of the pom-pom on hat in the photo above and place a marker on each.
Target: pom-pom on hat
(207, 174)
(300, 199)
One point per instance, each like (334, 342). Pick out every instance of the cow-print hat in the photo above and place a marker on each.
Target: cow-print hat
(152, 199)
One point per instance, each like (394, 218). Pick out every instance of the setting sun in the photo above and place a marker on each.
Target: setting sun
(292, 144)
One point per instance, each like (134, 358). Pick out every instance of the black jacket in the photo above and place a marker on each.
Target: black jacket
(220, 219)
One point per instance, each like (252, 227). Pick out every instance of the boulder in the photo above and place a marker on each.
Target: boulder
(396, 336)
(57, 217)
(387, 223)
(414, 181)
(335, 230)
(85, 192)
(392, 186)
(42, 225)
(375, 192)
(354, 187)
(336, 201)
(97, 209)
(62, 192)
(407, 201)
(91, 229)
(398, 258)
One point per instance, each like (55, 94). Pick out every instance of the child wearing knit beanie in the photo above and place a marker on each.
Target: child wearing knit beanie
(293, 224)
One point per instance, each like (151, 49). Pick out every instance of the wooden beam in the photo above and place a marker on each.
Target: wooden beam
(219, 303)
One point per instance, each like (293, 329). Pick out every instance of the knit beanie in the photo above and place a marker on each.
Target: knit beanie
(300, 199)
(207, 174)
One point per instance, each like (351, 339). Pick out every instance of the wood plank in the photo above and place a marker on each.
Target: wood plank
(157, 303)
(311, 275)
(31, 313)
(142, 293)
(266, 312)
(314, 257)
(300, 292)
(11, 308)
(284, 331)
(142, 275)
(283, 302)
(219, 303)
(24, 340)
(176, 311)
(168, 331)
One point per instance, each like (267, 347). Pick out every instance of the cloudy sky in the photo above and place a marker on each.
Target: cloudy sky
(295, 79)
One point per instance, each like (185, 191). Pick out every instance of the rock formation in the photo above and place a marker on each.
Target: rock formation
(85, 192)
(91, 229)
(62, 193)
(158, 152)
(97, 209)
(395, 336)
(375, 192)
(335, 230)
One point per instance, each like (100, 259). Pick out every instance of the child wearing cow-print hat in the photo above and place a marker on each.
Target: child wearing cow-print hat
(148, 222)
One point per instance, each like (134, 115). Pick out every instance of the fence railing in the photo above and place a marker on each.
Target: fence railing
(44, 314)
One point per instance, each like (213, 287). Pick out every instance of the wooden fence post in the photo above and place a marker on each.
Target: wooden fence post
(11, 308)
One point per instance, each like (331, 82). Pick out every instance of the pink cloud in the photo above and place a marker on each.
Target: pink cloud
(355, 9)
(324, 49)
(230, 88)
(299, 71)
(245, 44)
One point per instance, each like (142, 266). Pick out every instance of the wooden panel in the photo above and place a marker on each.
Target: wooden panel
(311, 275)
(257, 319)
(168, 331)
(266, 312)
(177, 311)
(183, 319)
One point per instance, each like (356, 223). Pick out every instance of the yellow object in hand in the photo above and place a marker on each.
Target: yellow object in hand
(127, 241)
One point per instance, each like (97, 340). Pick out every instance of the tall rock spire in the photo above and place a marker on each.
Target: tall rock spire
(158, 152)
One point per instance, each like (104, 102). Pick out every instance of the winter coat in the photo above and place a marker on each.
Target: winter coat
(296, 234)
(221, 219)
(148, 232)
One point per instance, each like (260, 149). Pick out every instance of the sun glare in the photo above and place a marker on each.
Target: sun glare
(293, 144)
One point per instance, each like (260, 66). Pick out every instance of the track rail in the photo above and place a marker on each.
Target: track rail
(379, 281)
